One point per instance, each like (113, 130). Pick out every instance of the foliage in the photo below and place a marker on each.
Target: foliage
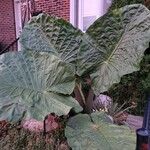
(57, 59)
(102, 47)
(30, 87)
(83, 134)
(123, 41)
(122, 3)
(146, 83)
(2, 46)
(132, 88)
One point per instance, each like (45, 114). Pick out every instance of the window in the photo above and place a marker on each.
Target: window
(18, 23)
(84, 12)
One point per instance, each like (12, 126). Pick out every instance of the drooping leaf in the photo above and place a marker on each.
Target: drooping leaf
(123, 35)
(57, 36)
(33, 84)
(82, 134)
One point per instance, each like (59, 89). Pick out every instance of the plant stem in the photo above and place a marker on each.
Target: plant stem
(81, 93)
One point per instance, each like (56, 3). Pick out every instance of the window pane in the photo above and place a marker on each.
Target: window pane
(93, 10)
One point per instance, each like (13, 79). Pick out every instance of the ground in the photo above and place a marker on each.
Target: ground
(14, 137)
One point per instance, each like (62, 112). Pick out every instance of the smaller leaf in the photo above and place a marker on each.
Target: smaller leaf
(82, 134)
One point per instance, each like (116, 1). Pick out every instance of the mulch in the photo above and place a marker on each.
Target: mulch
(14, 137)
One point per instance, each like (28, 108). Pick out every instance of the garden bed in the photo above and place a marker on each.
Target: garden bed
(14, 137)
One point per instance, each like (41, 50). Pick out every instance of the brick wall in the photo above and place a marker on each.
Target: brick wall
(60, 8)
(7, 21)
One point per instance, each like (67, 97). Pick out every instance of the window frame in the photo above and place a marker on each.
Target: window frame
(77, 11)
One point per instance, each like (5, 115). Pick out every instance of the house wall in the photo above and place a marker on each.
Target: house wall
(7, 21)
(60, 8)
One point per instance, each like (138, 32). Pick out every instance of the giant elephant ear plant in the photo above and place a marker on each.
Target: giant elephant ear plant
(56, 58)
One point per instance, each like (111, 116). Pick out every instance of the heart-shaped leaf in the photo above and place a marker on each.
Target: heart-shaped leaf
(123, 35)
(34, 84)
(56, 36)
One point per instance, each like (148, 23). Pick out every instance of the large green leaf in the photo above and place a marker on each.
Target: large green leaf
(53, 35)
(82, 134)
(33, 84)
(58, 37)
(112, 47)
(123, 35)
